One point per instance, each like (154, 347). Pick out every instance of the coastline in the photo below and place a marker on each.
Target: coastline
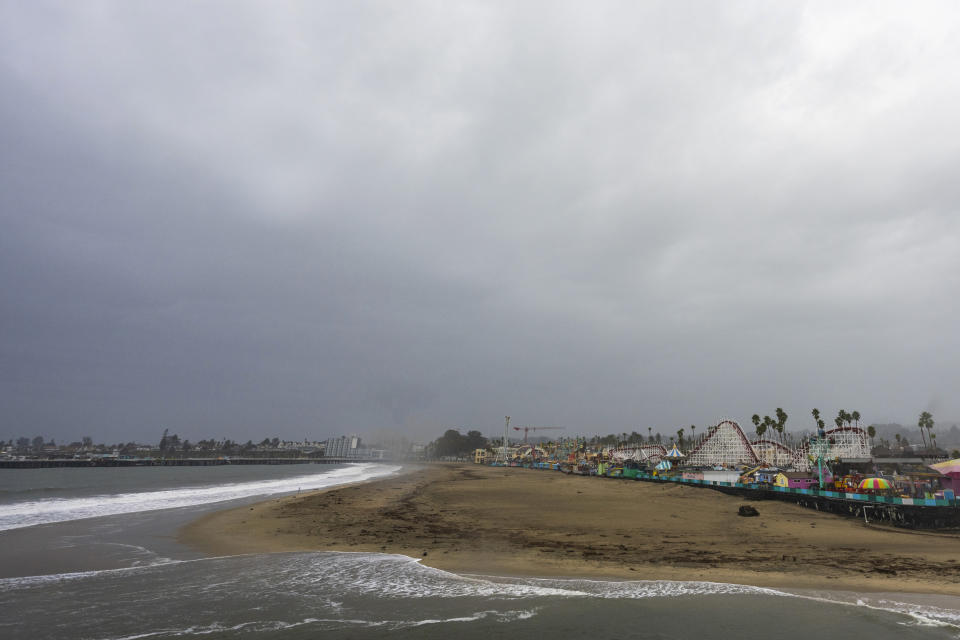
(470, 519)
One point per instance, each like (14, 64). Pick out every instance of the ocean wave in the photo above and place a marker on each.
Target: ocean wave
(262, 626)
(922, 610)
(323, 591)
(34, 512)
(399, 576)
(396, 576)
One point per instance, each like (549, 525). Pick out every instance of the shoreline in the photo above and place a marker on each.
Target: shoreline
(514, 522)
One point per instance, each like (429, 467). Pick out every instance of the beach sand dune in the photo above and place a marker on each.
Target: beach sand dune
(520, 522)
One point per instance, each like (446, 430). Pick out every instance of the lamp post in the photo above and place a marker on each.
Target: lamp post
(503, 450)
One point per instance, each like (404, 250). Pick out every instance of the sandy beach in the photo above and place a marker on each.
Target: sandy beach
(521, 522)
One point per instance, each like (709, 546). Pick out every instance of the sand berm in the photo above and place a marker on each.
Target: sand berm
(520, 522)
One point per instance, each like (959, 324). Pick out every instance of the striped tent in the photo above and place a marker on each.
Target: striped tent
(674, 453)
(664, 465)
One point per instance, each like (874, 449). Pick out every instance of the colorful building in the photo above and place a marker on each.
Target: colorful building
(798, 480)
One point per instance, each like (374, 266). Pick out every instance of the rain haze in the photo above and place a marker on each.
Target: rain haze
(237, 219)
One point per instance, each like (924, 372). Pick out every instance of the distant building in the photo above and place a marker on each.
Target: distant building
(343, 447)
(480, 456)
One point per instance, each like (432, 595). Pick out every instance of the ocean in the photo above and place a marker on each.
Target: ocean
(92, 553)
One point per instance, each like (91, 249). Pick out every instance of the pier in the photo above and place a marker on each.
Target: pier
(910, 513)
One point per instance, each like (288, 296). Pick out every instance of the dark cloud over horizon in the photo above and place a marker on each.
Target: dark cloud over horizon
(239, 219)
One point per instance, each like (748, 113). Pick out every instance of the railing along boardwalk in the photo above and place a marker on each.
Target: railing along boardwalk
(912, 513)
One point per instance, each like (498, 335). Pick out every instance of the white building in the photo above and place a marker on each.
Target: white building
(343, 447)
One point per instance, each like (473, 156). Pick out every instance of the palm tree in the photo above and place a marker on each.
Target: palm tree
(816, 415)
(856, 416)
(768, 423)
(680, 436)
(693, 432)
(925, 422)
(871, 431)
(781, 422)
(756, 424)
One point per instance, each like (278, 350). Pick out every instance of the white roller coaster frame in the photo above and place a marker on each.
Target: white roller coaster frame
(642, 453)
(724, 444)
(773, 453)
(845, 442)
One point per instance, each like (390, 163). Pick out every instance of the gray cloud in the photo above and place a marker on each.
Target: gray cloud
(241, 220)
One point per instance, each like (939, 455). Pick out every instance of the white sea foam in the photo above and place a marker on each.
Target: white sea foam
(261, 626)
(33, 512)
(922, 610)
(404, 577)
(398, 576)
(311, 588)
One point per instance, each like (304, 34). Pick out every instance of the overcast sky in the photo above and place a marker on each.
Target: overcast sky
(255, 219)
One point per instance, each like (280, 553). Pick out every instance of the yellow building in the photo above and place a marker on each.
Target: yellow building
(480, 456)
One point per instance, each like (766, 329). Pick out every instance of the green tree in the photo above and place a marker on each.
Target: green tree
(856, 417)
(451, 443)
(474, 440)
(756, 424)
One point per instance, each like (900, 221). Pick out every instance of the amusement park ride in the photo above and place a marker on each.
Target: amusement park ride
(723, 445)
(726, 444)
(502, 456)
(526, 429)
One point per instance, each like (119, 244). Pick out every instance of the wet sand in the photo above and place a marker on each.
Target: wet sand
(521, 522)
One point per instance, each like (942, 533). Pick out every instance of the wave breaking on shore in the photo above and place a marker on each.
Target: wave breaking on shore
(50, 510)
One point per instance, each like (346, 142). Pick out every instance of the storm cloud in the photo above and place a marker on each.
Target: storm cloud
(255, 219)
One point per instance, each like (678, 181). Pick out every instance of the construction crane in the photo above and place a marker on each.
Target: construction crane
(526, 429)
